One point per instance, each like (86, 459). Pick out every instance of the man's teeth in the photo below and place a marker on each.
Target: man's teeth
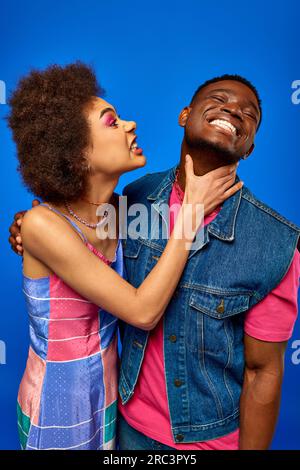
(224, 124)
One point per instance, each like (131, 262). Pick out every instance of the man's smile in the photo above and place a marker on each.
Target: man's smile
(226, 123)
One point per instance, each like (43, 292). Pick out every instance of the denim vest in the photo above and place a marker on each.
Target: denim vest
(246, 251)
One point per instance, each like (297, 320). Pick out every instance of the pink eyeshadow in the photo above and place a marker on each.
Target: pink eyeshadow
(108, 120)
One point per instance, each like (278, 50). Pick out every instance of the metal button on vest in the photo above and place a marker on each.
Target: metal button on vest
(173, 338)
(178, 383)
(220, 308)
(179, 437)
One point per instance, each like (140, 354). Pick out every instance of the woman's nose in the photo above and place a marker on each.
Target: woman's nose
(129, 126)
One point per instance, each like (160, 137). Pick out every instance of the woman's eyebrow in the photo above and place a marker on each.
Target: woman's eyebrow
(106, 110)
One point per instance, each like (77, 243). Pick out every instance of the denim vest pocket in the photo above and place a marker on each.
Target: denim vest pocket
(221, 305)
(212, 318)
(131, 248)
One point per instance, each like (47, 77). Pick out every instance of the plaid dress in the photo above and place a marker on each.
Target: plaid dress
(68, 394)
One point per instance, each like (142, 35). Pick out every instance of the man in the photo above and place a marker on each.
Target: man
(209, 376)
(184, 386)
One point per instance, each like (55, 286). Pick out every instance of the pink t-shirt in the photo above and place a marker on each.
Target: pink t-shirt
(147, 411)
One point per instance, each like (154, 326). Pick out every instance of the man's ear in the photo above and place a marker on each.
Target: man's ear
(183, 116)
(249, 151)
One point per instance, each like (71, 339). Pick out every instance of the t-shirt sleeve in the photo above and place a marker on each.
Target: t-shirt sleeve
(273, 318)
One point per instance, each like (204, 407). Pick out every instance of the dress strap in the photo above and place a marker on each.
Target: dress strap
(74, 225)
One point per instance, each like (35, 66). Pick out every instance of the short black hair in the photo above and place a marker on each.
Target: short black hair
(237, 78)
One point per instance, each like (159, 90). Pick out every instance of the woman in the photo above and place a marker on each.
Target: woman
(72, 149)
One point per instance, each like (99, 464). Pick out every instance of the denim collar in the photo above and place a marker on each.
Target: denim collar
(222, 227)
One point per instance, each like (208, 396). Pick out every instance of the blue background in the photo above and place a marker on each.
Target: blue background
(150, 57)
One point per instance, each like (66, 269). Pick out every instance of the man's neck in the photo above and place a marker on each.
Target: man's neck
(204, 160)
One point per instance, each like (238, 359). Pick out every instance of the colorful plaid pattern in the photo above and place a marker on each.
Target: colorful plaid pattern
(68, 395)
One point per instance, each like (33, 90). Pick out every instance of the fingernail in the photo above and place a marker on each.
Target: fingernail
(18, 239)
(19, 222)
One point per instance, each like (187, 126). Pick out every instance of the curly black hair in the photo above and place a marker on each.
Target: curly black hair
(234, 77)
(51, 130)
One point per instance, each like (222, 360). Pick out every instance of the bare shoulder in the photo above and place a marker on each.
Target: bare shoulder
(40, 222)
(38, 218)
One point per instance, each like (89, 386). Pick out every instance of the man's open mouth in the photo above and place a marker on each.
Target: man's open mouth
(226, 125)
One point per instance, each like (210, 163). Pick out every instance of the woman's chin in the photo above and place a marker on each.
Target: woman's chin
(138, 162)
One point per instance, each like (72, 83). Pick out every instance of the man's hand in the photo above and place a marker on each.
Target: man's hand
(15, 238)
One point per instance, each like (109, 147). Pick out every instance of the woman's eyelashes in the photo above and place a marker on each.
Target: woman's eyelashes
(114, 121)
(110, 120)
